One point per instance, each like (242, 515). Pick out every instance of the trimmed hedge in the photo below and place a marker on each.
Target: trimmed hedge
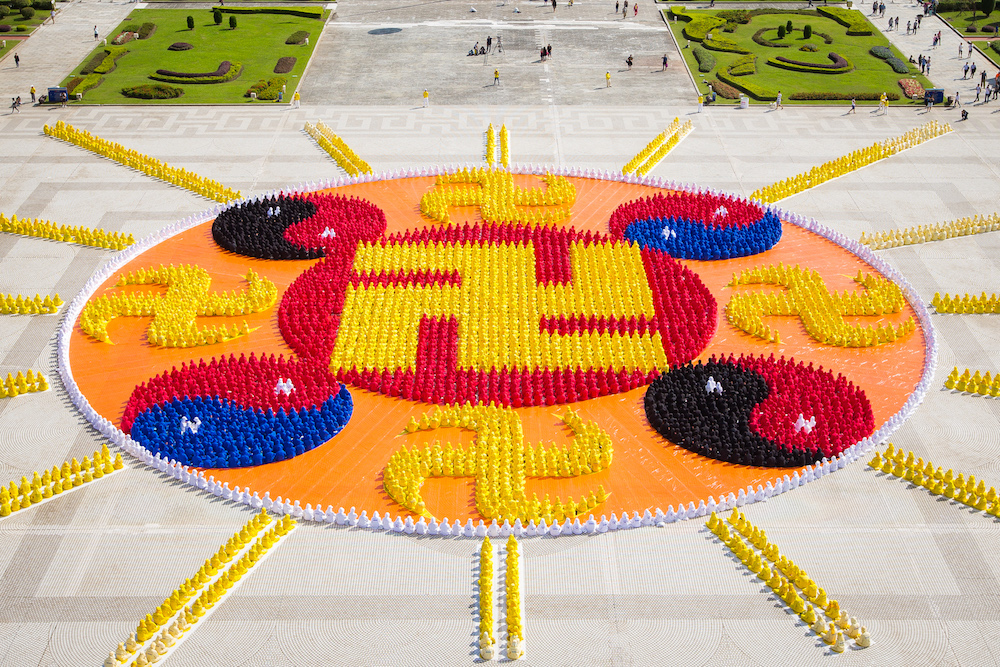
(297, 37)
(723, 44)
(744, 65)
(103, 62)
(758, 37)
(303, 12)
(221, 70)
(44, 5)
(285, 65)
(748, 87)
(5, 28)
(857, 24)
(840, 65)
(995, 45)
(4, 11)
(706, 61)
(231, 74)
(82, 84)
(152, 91)
(697, 26)
(881, 52)
(27, 13)
(735, 15)
(92, 64)
(885, 53)
(724, 90)
(267, 90)
(180, 46)
(146, 30)
(867, 97)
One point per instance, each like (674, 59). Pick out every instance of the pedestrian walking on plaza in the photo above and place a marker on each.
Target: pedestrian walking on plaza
(982, 80)
(908, 26)
(969, 50)
(553, 6)
(499, 45)
(958, 99)
(961, 47)
(607, 77)
(881, 9)
(875, 8)
(32, 94)
(541, 54)
(972, 71)
(854, 106)
(295, 99)
(52, 15)
(701, 102)
(777, 101)
(489, 43)
(666, 64)
(13, 106)
(548, 51)
(496, 77)
(979, 90)
(897, 23)
(618, 6)
(426, 98)
(965, 71)
(927, 65)
(635, 8)
(95, 33)
(17, 60)
(625, 11)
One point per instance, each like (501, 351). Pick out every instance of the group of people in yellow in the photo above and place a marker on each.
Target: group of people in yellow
(25, 305)
(73, 473)
(821, 312)
(140, 162)
(174, 313)
(498, 199)
(338, 149)
(500, 461)
(657, 149)
(966, 304)
(974, 383)
(207, 585)
(15, 385)
(976, 224)
(939, 482)
(784, 578)
(97, 238)
(851, 162)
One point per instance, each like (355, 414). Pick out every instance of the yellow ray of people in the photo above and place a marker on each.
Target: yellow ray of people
(966, 304)
(980, 383)
(491, 146)
(45, 229)
(512, 584)
(487, 637)
(23, 383)
(976, 224)
(850, 162)
(157, 634)
(504, 147)
(338, 149)
(61, 479)
(657, 149)
(25, 305)
(946, 483)
(144, 163)
(789, 582)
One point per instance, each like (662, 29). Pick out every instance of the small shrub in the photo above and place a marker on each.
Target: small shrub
(898, 65)
(152, 91)
(788, 26)
(27, 13)
(970, 28)
(43, 5)
(827, 39)
(729, 27)
(989, 28)
(995, 45)
(267, 90)
(226, 72)
(21, 28)
(781, 32)
(735, 15)
(180, 46)
(882, 52)
(232, 23)
(146, 30)
(217, 16)
(190, 22)
(131, 27)
(807, 31)
(285, 65)
(706, 61)
(811, 48)
(4, 11)
(5, 28)
(297, 37)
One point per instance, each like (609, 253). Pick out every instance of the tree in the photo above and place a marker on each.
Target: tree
(232, 22)
(217, 15)
(807, 31)
(190, 23)
(788, 26)
(781, 32)
(27, 13)
(987, 6)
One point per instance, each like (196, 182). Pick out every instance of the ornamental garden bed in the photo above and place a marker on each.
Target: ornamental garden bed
(974, 24)
(774, 51)
(217, 68)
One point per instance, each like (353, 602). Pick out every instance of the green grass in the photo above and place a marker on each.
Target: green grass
(15, 19)
(257, 43)
(962, 20)
(870, 75)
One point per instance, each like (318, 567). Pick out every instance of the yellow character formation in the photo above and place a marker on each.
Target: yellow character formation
(95, 238)
(976, 224)
(657, 149)
(961, 489)
(486, 638)
(174, 313)
(512, 584)
(500, 462)
(16, 497)
(821, 312)
(498, 199)
(851, 162)
(973, 383)
(144, 163)
(23, 305)
(338, 149)
(788, 581)
(15, 385)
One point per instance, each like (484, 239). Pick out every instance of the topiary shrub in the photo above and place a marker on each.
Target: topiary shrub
(706, 61)
(152, 91)
(299, 11)
(807, 31)
(751, 89)
(27, 13)
(840, 65)
(21, 28)
(297, 37)
(226, 72)
(898, 65)
(995, 45)
(882, 52)
(232, 23)
(4, 11)
(146, 30)
(267, 90)
(811, 48)
(5, 28)
(781, 32)
(190, 22)
(285, 65)
(217, 16)
(970, 28)
(180, 46)
(788, 26)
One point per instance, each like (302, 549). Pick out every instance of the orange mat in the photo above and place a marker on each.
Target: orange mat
(647, 471)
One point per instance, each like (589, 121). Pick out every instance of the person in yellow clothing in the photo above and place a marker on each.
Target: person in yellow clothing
(426, 98)
(295, 99)
(32, 94)
(496, 77)
(607, 78)
(701, 102)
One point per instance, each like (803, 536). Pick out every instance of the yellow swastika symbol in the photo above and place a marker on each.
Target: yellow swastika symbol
(498, 199)
(499, 306)
(500, 461)
(187, 297)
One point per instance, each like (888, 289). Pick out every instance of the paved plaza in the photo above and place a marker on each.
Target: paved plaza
(78, 573)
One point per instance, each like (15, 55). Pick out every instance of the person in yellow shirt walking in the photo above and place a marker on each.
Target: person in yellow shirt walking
(32, 94)
(607, 78)
(426, 98)
(496, 77)
(295, 99)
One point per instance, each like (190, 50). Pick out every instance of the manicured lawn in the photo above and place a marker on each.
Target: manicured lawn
(15, 20)
(869, 74)
(962, 20)
(257, 43)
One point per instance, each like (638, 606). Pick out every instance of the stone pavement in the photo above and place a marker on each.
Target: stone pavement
(77, 573)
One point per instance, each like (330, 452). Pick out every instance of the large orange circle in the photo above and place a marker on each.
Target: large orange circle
(647, 471)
